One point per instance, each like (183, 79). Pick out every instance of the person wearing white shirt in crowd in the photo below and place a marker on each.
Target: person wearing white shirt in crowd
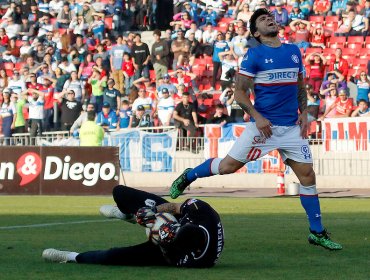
(35, 110)
(209, 35)
(11, 28)
(228, 64)
(362, 109)
(45, 26)
(197, 32)
(66, 66)
(55, 6)
(15, 83)
(239, 44)
(146, 102)
(165, 108)
(76, 85)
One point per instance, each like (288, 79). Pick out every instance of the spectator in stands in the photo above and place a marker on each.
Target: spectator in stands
(245, 13)
(196, 31)
(3, 80)
(7, 115)
(75, 128)
(353, 25)
(296, 12)
(75, 84)
(316, 66)
(160, 55)
(313, 104)
(26, 28)
(59, 79)
(70, 108)
(4, 39)
(179, 47)
(282, 35)
(208, 16)
(143, 100)
(239, 44)
(66, 66)
(20, 122)
(185, 115)
(183, 19)
(334, 77)
(229, 67)
(128, 71)
(339, 64)
(141, 118)
(220, 45)
(183, 78)
(318, 37)
(166, 84)
(91, 134)
(321, 7)
(365, 11)
(11, 28)
(363, 86)
(125, 115)
(36, 111)
(87, 12)
(141, 56)
(342, 105)
(78, 26)
(165, 108)
(47, 91)
(107, 118)
(195, 47)
(302, 32)
(219, 117)
(362, 109)
(227, 98)
(15, 83)
(65, 16)
(280, 14)
(337, 7)
(112, 96)
(12, 52)
(98, 84)
(208, 37)
(192, 8)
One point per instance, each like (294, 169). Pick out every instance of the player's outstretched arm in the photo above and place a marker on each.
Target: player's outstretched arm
(302, 105)
(172, 208)
(244, 86)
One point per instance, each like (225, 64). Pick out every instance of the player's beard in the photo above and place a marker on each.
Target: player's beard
(272, 33)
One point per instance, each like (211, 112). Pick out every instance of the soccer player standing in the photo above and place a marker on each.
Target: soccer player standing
(273, 73)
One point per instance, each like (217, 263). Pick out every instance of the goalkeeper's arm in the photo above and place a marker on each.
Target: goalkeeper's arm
(172, 208)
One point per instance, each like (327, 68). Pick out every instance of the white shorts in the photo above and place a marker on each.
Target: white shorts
(286, 139)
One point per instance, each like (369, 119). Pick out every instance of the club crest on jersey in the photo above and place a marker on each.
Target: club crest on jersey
(270, 60)
(295, 58)
(306, 151)
(258, 140)
(245, 58)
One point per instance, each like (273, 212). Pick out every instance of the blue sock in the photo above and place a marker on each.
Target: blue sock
(201, 171)
(311, 204)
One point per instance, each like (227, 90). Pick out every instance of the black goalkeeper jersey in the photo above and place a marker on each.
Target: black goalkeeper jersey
(197, 252)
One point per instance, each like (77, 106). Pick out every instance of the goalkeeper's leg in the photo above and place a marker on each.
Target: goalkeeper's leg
(145, 254)
(129, 200)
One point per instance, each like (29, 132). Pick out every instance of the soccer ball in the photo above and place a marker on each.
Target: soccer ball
(160, 219)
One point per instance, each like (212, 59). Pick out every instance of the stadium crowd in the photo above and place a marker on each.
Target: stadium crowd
(60, 59)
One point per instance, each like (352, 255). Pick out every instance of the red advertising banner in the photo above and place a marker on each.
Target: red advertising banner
(59, 170)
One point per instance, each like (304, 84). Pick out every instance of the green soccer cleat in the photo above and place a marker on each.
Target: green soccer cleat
(179, 185)
(322, 239)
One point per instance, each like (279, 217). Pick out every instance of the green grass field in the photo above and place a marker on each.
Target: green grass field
(265, 238)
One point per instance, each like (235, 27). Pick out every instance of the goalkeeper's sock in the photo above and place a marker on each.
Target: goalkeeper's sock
(206, 169)
(310, 202)
(71, 257)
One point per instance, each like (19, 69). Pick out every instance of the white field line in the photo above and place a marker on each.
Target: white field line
(57, 224)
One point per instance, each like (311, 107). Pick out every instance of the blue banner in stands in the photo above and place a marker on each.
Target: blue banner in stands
(145, 152)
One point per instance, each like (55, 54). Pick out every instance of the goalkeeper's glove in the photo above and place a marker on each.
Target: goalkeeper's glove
(145, 216)
(167, 232)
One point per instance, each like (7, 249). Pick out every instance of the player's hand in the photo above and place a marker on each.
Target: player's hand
(264, 127)
(145, 216)
(167, 232)
(303, 123)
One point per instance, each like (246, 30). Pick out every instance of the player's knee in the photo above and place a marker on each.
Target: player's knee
(308, 176)
(227, 168)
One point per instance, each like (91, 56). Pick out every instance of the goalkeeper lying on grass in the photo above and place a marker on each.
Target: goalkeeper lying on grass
(196, 240)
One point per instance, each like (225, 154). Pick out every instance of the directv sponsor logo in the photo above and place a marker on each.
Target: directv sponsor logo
(282, 76)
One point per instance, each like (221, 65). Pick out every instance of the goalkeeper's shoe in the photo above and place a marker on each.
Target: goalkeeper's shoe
(53, 255)
(323, 239)
(112, 211)
(179, 185)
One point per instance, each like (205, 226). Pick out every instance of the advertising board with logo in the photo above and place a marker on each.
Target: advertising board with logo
(58, 170)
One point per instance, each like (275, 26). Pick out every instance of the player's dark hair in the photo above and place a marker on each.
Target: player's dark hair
(252, 21)
(362, 100)
(91, 115)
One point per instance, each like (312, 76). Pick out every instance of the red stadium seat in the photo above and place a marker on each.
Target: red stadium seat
(350, 52)
(337, 41)
(328, 52)
(355, 39)
(364, 53)
(9, 72)
(316, 19)
(367, 42)
(19, 65)
(352, 71)
(355, 46)
(331, 19)
(359, 62)
(62, 31)
(313, 50)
